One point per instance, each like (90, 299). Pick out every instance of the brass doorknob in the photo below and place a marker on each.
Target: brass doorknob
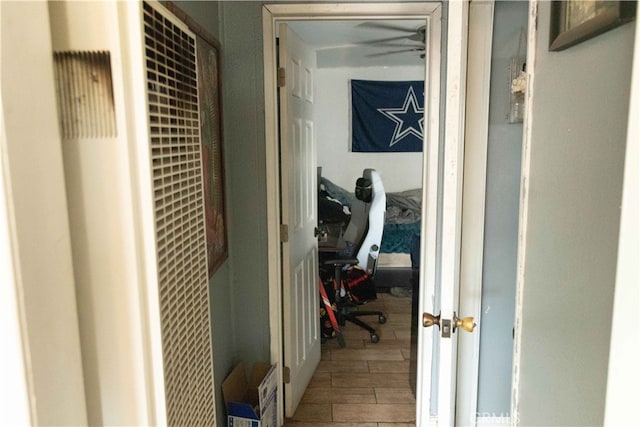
(466, 323)
(429, 319)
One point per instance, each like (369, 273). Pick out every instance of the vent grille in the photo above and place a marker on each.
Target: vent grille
(85, 94)
(174, 130)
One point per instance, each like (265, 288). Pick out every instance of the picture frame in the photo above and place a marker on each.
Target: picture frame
(574, 21)
(210, 107)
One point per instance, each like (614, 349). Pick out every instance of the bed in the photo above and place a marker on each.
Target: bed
(402, 221)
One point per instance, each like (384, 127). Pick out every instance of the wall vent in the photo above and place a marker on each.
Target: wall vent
(174, 131)
(85, 94)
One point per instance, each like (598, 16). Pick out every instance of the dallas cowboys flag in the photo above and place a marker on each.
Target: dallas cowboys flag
(387, 116)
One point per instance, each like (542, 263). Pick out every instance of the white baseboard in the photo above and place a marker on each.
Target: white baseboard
(493, 421)
(481, 421)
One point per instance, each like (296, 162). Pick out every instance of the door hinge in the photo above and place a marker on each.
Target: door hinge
(286, 375)
(284, 233)
(282, 80)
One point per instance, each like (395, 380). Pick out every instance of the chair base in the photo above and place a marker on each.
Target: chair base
(346, 315)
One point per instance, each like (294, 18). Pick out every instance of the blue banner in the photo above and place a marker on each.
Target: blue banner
(387, 116)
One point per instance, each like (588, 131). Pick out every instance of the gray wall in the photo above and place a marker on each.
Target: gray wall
(241, 35)
(501, 222)
(580, 109)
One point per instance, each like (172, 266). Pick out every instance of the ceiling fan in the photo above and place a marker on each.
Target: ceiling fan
(415, 35)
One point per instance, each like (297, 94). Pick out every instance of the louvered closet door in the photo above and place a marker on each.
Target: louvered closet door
(174, 140)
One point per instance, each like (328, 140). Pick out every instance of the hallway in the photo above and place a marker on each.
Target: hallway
(364, 384)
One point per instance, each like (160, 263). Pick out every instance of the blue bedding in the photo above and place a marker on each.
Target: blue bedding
(398, 238)
(402, 221)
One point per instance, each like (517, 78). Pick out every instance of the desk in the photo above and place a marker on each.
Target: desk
(332, 244)
(330, 238)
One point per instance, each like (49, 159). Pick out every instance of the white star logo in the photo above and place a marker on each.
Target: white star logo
(409, 119)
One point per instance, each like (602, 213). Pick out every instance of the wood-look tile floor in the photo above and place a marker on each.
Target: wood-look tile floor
(364, 384)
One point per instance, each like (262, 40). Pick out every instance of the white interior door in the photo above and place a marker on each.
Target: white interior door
(298, 195)
(443, 261)
(452, 210)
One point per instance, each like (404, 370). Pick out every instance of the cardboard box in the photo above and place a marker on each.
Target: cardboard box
(251, 402)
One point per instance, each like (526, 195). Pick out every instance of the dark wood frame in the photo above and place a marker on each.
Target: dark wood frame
(210, 100)
(561, 37)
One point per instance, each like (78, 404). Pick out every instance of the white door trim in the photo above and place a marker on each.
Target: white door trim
(524, 207)
(451, 216)
(473, 207)
(429, 224)
(273, 13)
(16, 393)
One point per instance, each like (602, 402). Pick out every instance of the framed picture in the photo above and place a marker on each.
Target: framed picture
(209, 98)
(574, 21)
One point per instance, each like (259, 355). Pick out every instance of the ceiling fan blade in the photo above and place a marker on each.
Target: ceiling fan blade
(384, 40)
(386, 26)
(405, 45)
(391, 52)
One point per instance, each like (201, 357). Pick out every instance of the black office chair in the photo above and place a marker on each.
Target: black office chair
(361, 246)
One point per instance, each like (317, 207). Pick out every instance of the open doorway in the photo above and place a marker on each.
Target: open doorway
(331, 59)
(285, 297)
(432, 179)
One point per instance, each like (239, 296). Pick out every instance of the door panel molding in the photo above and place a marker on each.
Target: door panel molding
(301, 341)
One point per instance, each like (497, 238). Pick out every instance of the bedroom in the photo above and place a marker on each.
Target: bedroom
(369, 51)
(327, 129)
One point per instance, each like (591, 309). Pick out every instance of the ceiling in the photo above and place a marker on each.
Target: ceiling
(362, 43)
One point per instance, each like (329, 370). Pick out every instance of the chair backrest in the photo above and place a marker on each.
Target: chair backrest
(364, 231)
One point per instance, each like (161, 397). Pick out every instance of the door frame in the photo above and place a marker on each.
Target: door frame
(272, 14)
(39, 326)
